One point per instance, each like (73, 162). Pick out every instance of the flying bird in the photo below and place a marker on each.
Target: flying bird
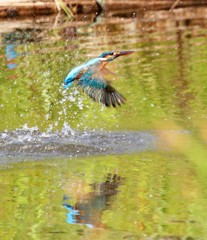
(91, 78)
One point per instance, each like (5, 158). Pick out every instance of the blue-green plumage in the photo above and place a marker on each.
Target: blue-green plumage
(91, 78)
(72, 75)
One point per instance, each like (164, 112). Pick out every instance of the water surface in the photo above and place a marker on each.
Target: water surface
(73, 169)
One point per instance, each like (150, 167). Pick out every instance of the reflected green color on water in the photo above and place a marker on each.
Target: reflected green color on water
(73, 169)
(164, 79)
(147, 195)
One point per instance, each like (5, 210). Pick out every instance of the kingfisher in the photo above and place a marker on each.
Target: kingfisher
(91, 77)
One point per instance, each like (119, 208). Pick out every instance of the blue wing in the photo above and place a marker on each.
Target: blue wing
(99, 89)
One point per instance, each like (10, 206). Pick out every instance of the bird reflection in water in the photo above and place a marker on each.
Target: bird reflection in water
(89, 208)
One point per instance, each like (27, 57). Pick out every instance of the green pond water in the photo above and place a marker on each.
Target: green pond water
(73, 169)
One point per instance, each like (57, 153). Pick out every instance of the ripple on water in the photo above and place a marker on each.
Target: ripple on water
(32, 142)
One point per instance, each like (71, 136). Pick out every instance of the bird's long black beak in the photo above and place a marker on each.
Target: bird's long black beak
(123, 53)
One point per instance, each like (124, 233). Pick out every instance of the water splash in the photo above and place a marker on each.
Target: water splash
(67, 130)
(31, 142)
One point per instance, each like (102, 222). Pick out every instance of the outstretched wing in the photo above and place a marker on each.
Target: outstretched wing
(99, 89)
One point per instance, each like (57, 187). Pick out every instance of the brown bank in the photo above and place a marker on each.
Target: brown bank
(14, 8)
